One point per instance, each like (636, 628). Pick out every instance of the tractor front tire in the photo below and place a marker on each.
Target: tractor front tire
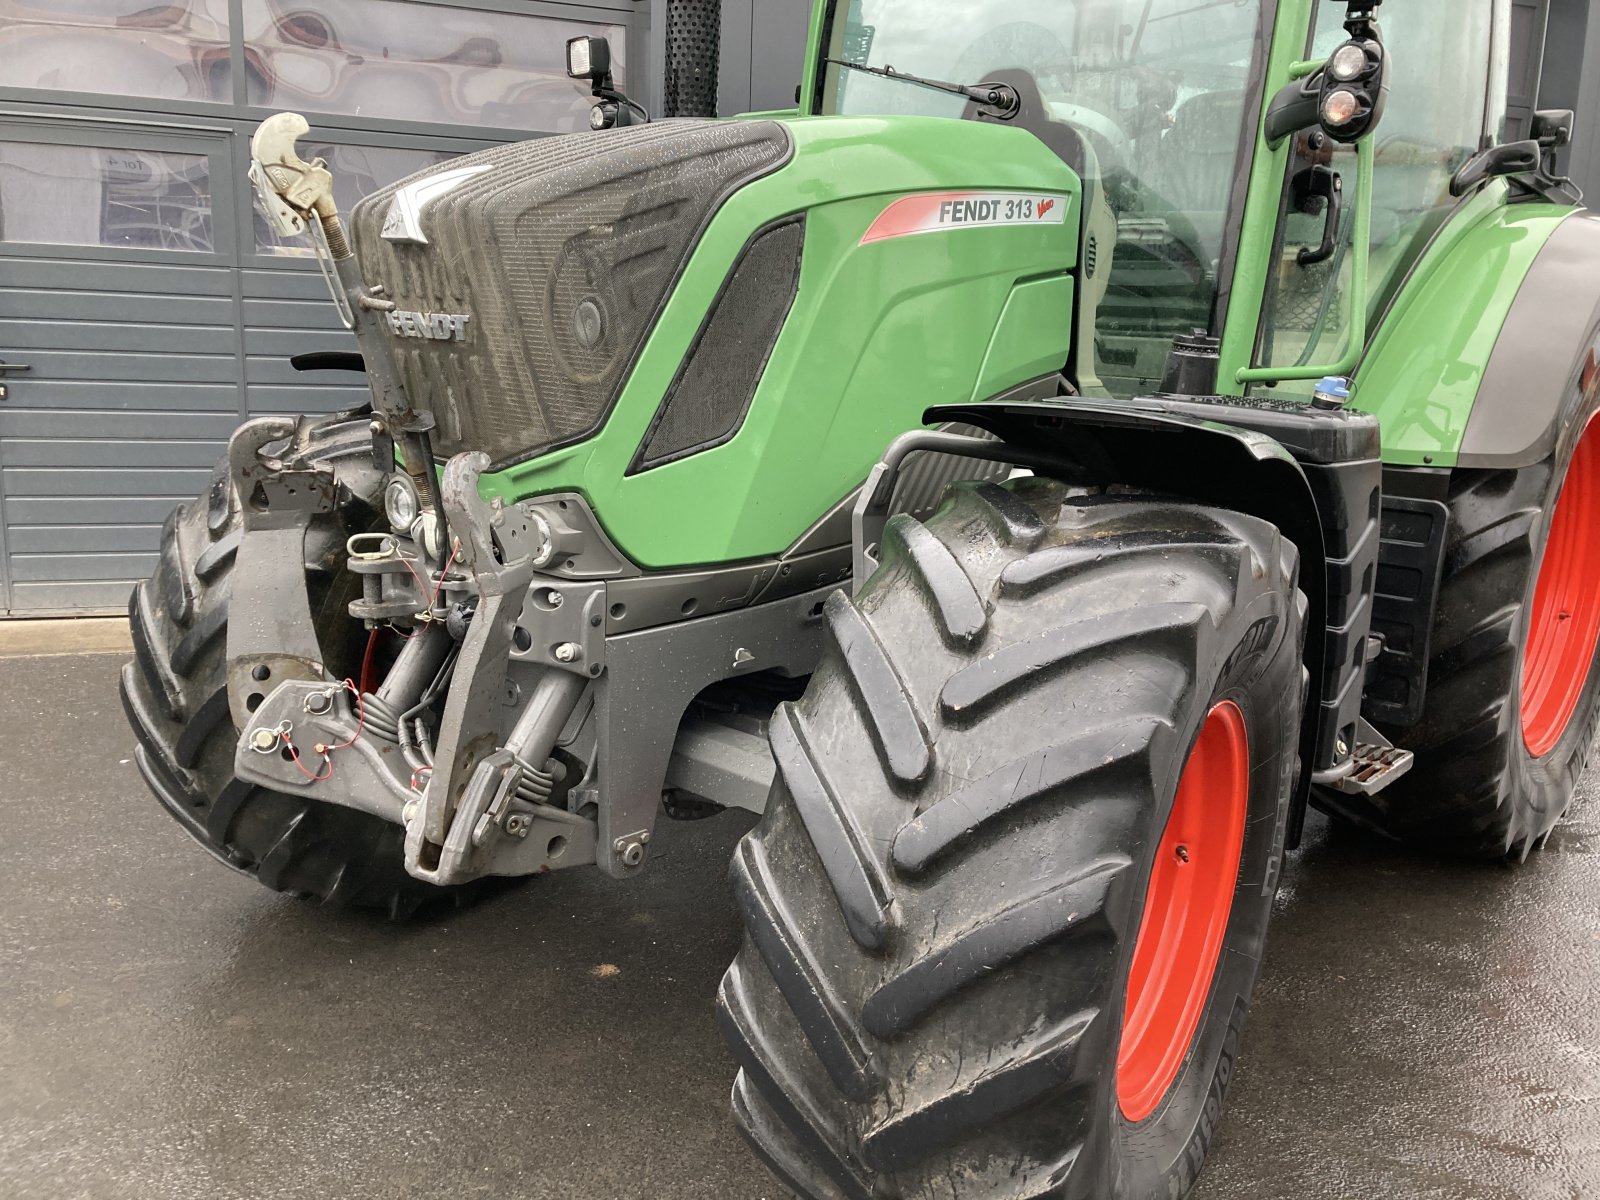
(175, 696)
(1009, 898)
(1514, 673)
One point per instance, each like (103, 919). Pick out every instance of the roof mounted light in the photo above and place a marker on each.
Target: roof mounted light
(1345, 95)
(589, 58)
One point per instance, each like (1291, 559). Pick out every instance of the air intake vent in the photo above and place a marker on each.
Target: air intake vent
(541, 274)
(707, 402)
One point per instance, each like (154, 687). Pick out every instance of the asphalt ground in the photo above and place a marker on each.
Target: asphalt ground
(169, 1029)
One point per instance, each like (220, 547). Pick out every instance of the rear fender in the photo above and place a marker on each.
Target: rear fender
(1545, 369)
(1452, 371)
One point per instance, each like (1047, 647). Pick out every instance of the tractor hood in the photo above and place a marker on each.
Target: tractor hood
(527, 276)
(741, 292)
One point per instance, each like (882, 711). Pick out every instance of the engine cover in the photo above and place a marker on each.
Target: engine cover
(527, 277)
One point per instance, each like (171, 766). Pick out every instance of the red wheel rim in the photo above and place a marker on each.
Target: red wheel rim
(1564, 627)
(1185, 913)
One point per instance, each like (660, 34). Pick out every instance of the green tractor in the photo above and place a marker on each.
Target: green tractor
(1029, 482)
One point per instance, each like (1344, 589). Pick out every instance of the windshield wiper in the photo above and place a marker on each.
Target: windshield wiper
(1001, 97)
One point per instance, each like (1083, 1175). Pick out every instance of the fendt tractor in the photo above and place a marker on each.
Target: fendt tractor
(1030, 473)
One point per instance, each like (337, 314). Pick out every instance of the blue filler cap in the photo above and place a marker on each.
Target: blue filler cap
(1332, 392)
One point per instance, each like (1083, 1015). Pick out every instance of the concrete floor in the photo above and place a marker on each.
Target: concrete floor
(168, 1029)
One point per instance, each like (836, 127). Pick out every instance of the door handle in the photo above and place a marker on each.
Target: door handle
(1329, 185)
(5, 368)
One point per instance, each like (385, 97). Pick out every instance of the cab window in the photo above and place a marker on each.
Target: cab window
(1160, 94)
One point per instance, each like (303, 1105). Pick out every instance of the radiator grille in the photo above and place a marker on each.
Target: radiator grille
(561, 254)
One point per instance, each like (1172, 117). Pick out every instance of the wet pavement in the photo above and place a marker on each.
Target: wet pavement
(168, 1029)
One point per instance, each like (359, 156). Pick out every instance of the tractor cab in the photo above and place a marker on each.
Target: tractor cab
(1151, 101)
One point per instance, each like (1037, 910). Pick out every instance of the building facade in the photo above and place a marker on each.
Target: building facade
(146, 309)
(148, 303)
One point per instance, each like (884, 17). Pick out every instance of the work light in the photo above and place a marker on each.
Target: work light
(589, 58)
(1348, 62)
(1340, 107)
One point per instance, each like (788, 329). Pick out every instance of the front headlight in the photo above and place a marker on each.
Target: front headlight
(400, 503)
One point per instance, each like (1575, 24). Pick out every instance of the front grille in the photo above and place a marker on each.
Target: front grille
(561, 255)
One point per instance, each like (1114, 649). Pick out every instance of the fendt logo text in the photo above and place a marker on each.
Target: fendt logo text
(941, 212)
(439, 327)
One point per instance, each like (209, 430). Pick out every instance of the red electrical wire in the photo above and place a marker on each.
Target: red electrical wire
(326, 751)
(295, 755)
(361, 720)
(366, 660)
(366, 670)
(421, 586)
(455, 549)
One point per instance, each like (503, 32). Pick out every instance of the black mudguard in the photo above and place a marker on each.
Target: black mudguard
(1317, 475)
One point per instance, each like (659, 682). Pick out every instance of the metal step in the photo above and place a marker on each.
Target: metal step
(1378, 763)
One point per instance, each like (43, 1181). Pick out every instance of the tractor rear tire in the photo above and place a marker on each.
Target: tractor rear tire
(1514, 670)
(175, 696)
(1009, 898)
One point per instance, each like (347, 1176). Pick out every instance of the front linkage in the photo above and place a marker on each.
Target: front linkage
(473, 805)
(554, 739)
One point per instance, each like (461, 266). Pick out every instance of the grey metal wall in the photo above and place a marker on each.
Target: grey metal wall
(152, 325)
(1571, 79)
(763, 52)
(1528, 21)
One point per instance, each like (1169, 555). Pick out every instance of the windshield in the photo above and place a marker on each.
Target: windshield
(1157, 90)
(1131, 61)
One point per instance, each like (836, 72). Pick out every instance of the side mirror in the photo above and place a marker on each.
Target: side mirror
(1552, 127)
(1513, 158)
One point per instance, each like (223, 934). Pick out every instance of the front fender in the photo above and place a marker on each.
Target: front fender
(1315, 475)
